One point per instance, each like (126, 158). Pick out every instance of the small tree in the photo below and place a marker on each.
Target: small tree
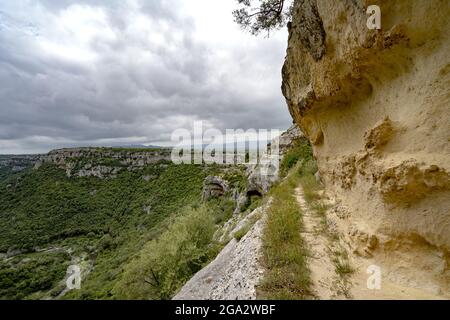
(266, 15)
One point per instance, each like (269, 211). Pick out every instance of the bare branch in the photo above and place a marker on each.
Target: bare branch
(268, 15)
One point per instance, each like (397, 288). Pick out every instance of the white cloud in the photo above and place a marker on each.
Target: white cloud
(92, 72)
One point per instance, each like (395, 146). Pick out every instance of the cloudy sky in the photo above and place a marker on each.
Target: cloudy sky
(93, 72)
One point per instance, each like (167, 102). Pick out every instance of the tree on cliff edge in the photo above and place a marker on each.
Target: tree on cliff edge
(266, 15)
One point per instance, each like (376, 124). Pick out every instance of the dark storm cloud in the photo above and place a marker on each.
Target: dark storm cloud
(100, 72)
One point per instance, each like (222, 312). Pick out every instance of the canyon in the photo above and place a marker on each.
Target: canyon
(363, 184)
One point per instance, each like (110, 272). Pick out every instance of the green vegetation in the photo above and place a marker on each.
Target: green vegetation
(5, 172)
(142, 234)
(339, 255)
(45, 206)
(168, 262)
(239, 234)
(302, 151)
(253, 202)
(21, 277)
(13, 165)
(341, 262)
(235, 175)
(342, 268)
(107, 222)
(222, 208)
(285, 253)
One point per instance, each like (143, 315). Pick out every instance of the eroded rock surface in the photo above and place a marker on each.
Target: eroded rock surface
(214, 187)
(375, 104)
(236, 271)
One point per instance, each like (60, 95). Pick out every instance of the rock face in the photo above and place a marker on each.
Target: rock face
(375, 105)
(18, 162)
(214, 187)
(289, 138)
(102, 162)
(263, 175)
(235, 272)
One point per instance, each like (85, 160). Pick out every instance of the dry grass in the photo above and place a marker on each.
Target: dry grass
(339, 256)
(285, 253)
(341, 262)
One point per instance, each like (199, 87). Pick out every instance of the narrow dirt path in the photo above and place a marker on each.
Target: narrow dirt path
(320, 264)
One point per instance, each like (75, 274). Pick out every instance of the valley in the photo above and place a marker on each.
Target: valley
(49, 219)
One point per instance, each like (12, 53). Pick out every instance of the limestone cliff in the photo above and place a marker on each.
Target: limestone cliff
(16, 163)
(375, 106)
(102, 162)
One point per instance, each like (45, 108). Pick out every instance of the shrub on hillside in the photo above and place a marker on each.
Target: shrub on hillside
(168, 262)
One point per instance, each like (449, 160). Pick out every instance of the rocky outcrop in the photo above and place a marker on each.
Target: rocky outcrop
(102, 162)
(375, 106)
(264, 174)
(259, 182)
(236, 271)
(18, 162)
(290, 138)
(214, 187)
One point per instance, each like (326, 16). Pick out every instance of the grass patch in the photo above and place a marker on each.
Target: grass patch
(341, 262)
(311, 186)
(285, 253)
(343, 268)
(239, 234)
(319, 208)
(339, 256)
